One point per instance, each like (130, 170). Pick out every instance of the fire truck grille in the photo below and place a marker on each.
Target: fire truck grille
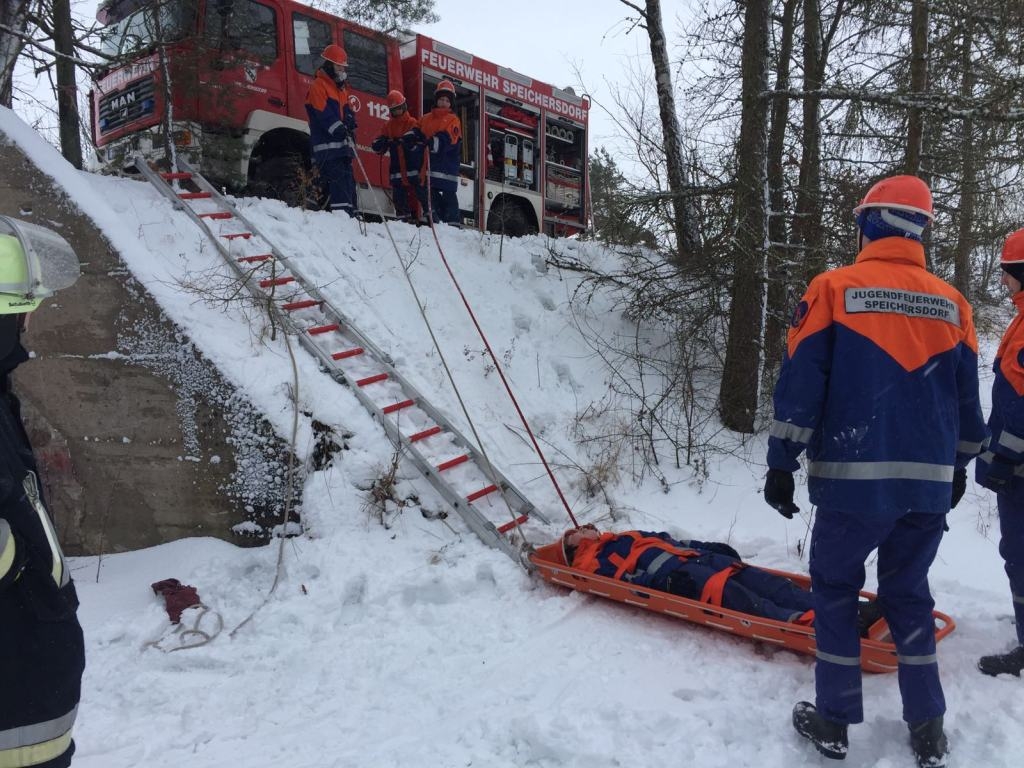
(130, 103)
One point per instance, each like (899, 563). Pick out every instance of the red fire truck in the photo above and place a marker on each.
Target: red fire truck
(239, 71)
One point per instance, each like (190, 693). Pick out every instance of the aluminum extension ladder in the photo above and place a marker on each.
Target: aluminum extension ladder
(450, 462)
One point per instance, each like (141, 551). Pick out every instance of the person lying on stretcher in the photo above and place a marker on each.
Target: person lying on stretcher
(710, 572)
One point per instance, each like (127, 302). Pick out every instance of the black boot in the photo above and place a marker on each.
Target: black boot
(868, 613)
(828, 737)
(929, 743)
(1010, 663)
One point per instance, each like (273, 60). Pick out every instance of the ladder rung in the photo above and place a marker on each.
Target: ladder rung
(255, 259)
(322, 329)
(216, 215)
(452, 462)
(176, 175)
(513, 524)
(275, 281)
(348, 353)
(398, 406)
(194, 195)
(481, 493)
(372, 380)
(434, 430)
(233, 235)
(291, 306)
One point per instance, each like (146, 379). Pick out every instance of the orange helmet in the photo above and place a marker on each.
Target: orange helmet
(336, 55)
(901, 193)
(445, 87)
(1013, 250)
(396, 100)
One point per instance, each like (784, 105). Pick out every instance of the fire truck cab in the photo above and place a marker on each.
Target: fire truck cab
(224, 82)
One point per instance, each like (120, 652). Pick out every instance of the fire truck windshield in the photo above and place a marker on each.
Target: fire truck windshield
(139, 31)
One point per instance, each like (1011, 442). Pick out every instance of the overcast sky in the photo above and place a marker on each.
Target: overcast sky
(547, 39)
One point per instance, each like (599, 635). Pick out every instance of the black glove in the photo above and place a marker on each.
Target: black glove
(339, 132)
(778, 492)
(349, 119)
(413, 138)
(380, 145)
(1000, 472)
(721, 548)
(959, 486)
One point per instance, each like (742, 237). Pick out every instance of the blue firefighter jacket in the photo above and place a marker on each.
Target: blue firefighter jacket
(1006, 422)
(41, 649)
(879, 384)
(331, 120)
(444, 138)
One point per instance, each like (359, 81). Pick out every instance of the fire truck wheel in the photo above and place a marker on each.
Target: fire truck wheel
(509, 217)
(279, 178)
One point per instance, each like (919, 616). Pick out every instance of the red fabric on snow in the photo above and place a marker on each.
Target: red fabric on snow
(178, 597)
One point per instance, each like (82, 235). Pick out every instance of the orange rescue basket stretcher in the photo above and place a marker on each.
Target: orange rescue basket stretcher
(877, 651)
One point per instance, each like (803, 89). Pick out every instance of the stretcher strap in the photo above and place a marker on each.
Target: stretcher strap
(715, 586)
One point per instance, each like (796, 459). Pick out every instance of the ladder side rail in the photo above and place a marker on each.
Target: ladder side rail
(477, 523)
(521, 504)
(484, 529)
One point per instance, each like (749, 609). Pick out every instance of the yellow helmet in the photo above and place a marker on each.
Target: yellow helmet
(35, 263)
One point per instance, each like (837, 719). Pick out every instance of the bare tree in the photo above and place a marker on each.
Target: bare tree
(14, 19)
(684, 226)
(738, 394)
(918, 84)
(778, 259)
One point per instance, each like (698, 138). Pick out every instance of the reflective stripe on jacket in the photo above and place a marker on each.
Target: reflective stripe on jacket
(879, 385)
(1006, 421)
(640, 557)
(444, 138)
(30, 745)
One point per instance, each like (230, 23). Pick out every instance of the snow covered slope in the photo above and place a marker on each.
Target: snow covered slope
(413, 645)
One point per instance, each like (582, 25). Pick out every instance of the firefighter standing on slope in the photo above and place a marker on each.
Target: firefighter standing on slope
(443, 132)
(403, 138)
(332, 125)
(879, 384)
(1001, 467)
(41, 650)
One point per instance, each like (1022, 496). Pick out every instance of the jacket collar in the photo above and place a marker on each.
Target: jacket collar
(321, 75)
(1018, 301)
(894, 249)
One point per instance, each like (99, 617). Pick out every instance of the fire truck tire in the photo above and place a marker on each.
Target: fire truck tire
(509, 217)
(279, 178)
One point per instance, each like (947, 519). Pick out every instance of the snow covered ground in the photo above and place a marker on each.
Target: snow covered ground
(414, 645)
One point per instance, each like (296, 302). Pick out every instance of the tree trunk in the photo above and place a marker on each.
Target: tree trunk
(738, 393)
(13, 14)
(807, 232)
(918, 84)
(67, 87)
(779, 260)
(683, 224)
(969, 174)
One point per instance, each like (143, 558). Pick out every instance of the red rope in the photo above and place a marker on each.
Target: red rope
(494, 358)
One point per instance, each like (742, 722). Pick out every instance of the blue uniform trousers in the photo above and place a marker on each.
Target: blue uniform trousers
(1011, 547)
(749, 590)
(445, 204)
(840, 544)
(406, 204)
(336, 181)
